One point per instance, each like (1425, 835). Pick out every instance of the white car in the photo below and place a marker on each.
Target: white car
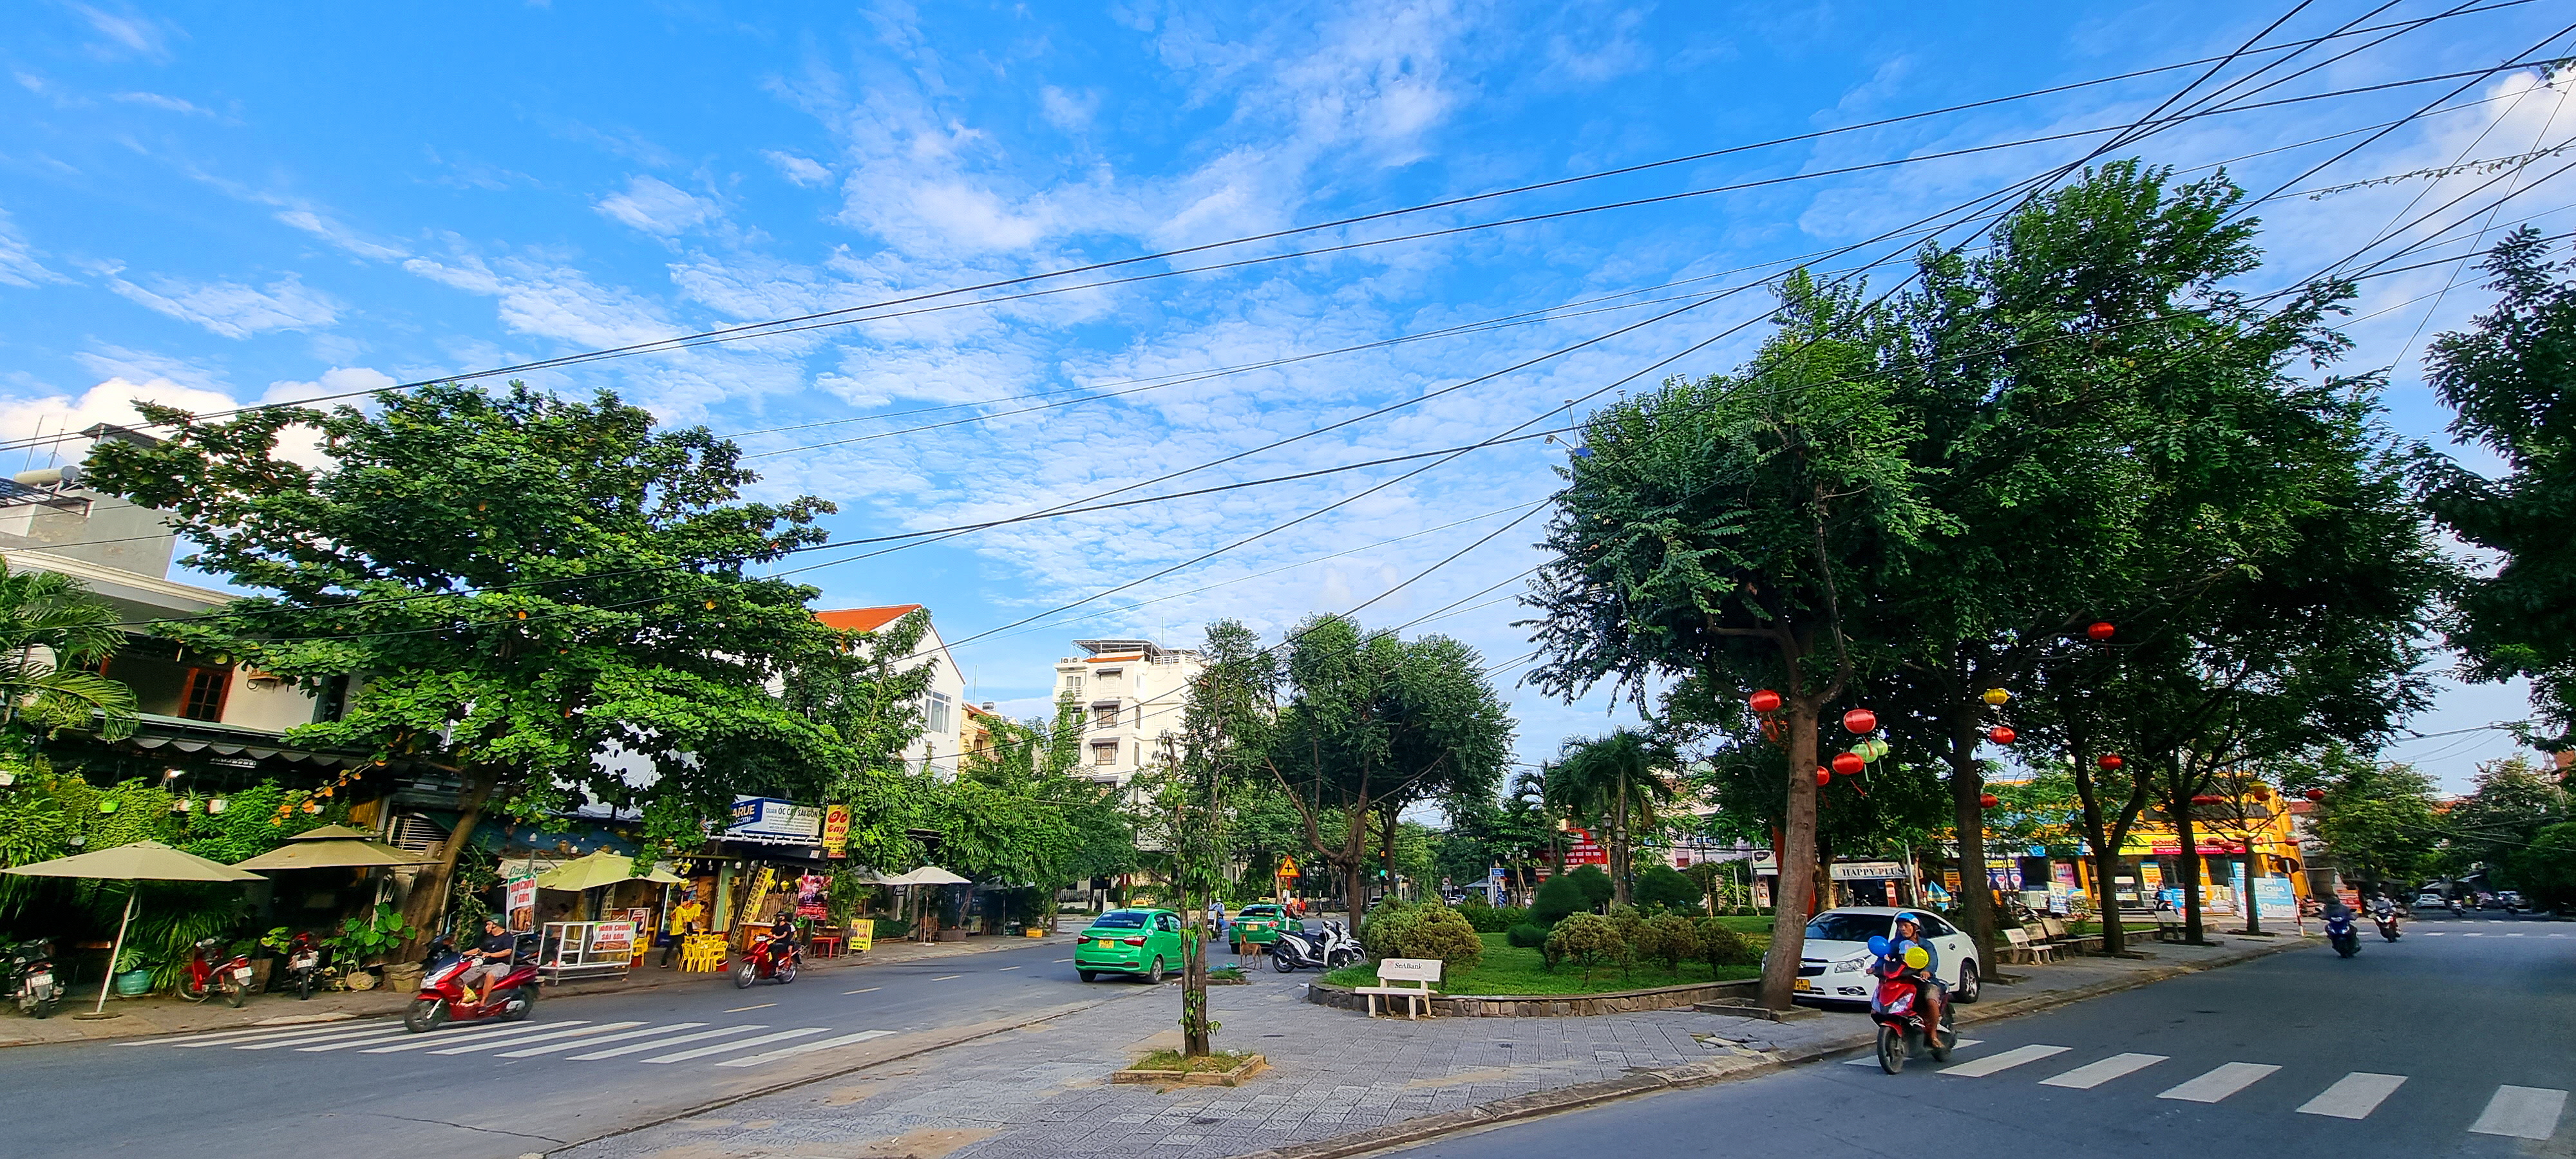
(1834, 967)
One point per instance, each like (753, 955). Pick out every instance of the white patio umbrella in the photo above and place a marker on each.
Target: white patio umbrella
(141, 861)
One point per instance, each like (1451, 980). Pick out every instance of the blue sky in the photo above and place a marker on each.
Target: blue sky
(212, 205)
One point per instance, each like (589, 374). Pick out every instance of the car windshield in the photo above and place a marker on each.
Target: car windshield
(1261, 911)
(1848, 927)
(1120, 920)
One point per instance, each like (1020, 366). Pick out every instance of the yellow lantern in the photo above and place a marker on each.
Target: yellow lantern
(1996, 697)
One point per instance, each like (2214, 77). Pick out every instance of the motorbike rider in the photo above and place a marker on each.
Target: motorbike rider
(492, 959)
(1931, 993)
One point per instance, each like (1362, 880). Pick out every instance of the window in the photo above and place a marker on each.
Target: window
(1934, 927)
(1104, 716)
(937, 710)
(1837, 927)
(1105, 754)
(1120, 919)
(204, 698)
(1073, 686)
(1167, 922)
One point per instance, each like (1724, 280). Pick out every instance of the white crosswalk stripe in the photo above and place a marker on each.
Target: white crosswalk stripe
(574, 1032)
(237, 1035)
(718, 1032)
(2094, 1074)
(1980, 1068)
(2522, 1113)
(579, 1043)
(308, 1035)
(2220, 1082)
(2354, 1096)
(805, 1048)
(722, 1047)
(1872, 1059)
(496, 1034)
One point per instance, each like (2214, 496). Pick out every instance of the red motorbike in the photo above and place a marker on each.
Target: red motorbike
(772, 955)
(1901, 1027)
(209, 974)
(510, 998)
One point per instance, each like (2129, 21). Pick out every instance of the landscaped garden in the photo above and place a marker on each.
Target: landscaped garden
(1559, 945)
(1508, 969)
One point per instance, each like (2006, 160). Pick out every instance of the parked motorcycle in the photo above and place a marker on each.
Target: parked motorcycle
(303, 966)
(211, 972)
(1297, 950)
(772, 955)
(1898, 1011)
(510, 998)
(2340, 933)
(27, 976)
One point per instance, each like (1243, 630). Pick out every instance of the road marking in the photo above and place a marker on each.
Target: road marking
(2354, 1096)
(2433, 933)
(2094, 1074)
(869, 990)
(805, 1048)
(292, 1039)
(740, 1009)
(2517, 935)
(446, 1036)
(1872, 1059)
(1006, 969)
(2473, 934)
(425, 1041)
(721, 1047)
(575, 1032)
(2221, 1082)
(239, 1035)
(1980, 1068)
(2522, 1112)
(945, 977)
(1069, 959)
(579, 1043)
(719, 1031)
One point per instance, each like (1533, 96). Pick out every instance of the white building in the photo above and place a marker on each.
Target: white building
(1132, 693)
(943, 709)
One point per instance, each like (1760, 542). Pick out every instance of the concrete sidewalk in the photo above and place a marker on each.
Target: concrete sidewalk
(1340, 1083)
(165, 1014)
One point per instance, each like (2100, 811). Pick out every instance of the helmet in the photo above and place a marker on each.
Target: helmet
(1909, 916)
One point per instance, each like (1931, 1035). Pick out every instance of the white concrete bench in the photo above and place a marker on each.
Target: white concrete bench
(2025, 950)
(1423, 972)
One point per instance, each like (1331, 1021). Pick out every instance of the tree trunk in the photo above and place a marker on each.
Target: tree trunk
(1195, 1031)
(1796, 858)
(2106, 869)
(1386, 849)
(426, 904)
(2253, 920)
(2187, 849)
(1967, 784)
(1619, 858)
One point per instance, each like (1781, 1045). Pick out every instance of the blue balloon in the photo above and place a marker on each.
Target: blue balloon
(1878, 945)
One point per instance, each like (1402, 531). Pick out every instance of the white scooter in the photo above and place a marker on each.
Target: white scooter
(1331, 950)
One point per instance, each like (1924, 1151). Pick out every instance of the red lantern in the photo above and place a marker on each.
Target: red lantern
(1860, 720)
(1765, 702)
(2001, 735)
(1849, 764)
(1823, 778)
(2316, 794)
(2206, 799)
(2100, 631)
(1988, 800)
(2109, 761)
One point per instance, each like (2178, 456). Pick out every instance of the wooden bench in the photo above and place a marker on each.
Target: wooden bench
(2019, 948)
(1424, 972)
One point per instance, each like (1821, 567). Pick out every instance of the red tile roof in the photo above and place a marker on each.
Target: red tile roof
(865, 619)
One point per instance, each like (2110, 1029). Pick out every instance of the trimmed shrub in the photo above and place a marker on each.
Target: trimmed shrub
(1662, 887)
(1720, 945)
(1557, 898)
(1384, 933)
(1440, 932)
(1587, 940)
(1671, 939)
(1492, 919)
(1527, 935)
(1596, 886)
(1629, 927)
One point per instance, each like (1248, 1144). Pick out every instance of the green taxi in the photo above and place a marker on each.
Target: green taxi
(1145, 942)
(1259, 925)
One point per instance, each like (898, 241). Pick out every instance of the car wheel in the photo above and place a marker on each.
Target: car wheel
(1086, 975)
(1155, 974)
(1969, 985)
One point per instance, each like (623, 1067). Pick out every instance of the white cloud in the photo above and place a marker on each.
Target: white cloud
(551, 301)
(797, 169)
(1069, 111)
(338, 235)
(111, 401)
(231, 309)
(166, 104)
(18, 264)
(655, 206)
(127, 33)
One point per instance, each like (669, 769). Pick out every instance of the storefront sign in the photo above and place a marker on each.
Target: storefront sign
(520, 903)
(836, 831)
(863, 935)
(1584, 850)
(809, 895)
(609, 939)
(1868, 871)
(775, 822)
(2272, 897)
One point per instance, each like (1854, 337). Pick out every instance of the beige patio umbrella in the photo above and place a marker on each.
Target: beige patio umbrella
(141, 861)
(602, 868)
(331, 847)
(927, 875)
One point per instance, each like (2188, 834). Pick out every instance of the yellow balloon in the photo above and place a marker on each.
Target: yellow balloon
(1997, 696)
(1915, 957)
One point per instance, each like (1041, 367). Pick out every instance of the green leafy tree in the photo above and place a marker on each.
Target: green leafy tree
(2378, 820)
(1557, 898)
(1587, 940)
(544, 599)
(1614, 783)
(1662, 887)
(2513, 801)
(2546, 868)
(52, 631)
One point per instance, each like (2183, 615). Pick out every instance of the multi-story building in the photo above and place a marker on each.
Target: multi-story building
(1131, 693)
(943, 704)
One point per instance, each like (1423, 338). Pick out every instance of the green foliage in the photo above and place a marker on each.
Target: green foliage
(2547, 868)
(2490, 827)
(1597, 888)
(171, 917)
(1629, 927)
(2377, 820)
(1613, 784)
(1384, 934)
(1557, 897)
(1527, 935)
(890, 928)
(1670, 938)
(1427, 931)
(1722, 945)
(1489, 918)
(1662, 887)
(1588, 940)
(361, 938)
(51, 630)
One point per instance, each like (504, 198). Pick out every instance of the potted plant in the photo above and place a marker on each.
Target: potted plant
(134, 973)
(364, 941)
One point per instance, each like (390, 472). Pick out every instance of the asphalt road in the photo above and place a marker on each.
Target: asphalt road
(2453, 1041)
(580, 1067)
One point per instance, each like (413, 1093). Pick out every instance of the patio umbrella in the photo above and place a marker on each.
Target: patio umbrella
(141, 861)
(331, 847)
(927, 875)
(598, 869)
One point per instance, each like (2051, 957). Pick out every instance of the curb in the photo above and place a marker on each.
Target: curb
(1581, 1095)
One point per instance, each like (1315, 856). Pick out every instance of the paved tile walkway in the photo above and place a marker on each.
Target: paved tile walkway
(1044, 1091)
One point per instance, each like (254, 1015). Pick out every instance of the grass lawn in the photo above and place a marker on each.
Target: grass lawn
(1509, 969)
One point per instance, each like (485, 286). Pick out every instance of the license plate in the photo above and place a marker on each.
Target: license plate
(241, 973)
(40, 981)
(307, 961)
(1105, 943)
(1803, 984)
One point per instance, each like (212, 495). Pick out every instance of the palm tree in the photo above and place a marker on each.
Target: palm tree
(51, 631)
(1614, 782)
